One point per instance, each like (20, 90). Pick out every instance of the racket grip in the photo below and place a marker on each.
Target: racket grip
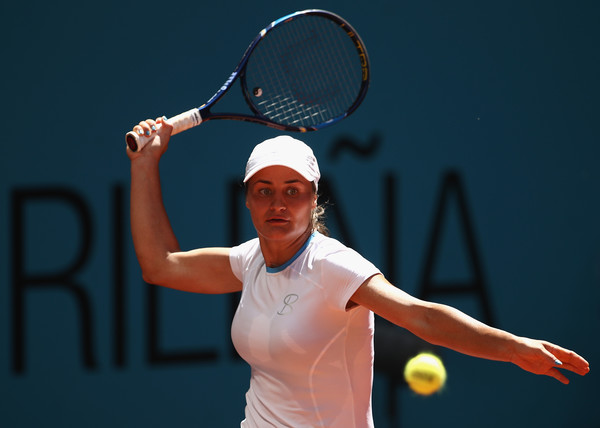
(180, 123)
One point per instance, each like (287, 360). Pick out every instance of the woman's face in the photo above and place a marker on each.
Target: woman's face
(280, 202)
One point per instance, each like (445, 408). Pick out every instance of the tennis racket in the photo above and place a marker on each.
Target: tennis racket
(305, 71)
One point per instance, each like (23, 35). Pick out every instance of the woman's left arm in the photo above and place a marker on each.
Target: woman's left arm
(448, 327)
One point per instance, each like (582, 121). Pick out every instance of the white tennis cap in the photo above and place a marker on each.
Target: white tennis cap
(284, 151)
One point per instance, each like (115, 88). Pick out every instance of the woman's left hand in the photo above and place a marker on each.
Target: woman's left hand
(545, 358)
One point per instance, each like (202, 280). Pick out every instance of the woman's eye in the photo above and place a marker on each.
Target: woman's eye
(264, 192)
(292, 191)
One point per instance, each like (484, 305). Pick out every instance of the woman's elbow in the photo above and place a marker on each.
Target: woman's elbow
(153, 274)
(148, 277)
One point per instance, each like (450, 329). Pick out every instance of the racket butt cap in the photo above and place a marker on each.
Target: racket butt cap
(131, 141)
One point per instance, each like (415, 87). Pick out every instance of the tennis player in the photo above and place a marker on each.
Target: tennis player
(305, 319)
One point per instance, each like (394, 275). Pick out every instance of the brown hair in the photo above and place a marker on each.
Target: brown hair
(317, 219)
(317, 216)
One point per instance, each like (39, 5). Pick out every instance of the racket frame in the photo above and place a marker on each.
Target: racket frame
(196, 116)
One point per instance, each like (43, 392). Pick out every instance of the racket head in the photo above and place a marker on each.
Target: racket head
(305, 71)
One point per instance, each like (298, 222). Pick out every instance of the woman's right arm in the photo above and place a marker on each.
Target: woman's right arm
(205, 270)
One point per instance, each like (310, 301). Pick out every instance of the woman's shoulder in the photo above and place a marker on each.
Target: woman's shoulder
(323, 242)
(334, 259)
(325, 246)
(246, 249)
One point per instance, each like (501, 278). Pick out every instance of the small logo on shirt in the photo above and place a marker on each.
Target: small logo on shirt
(288, 301)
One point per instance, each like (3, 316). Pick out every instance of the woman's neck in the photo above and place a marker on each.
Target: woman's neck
(278, 252)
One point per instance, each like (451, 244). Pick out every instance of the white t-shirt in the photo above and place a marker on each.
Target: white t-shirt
(311, 358)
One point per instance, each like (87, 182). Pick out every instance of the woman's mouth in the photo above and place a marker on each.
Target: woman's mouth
(277, 220)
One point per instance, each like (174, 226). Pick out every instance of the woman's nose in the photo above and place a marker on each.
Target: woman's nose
(278, 203)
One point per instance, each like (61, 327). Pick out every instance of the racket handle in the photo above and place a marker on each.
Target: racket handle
(180, 123)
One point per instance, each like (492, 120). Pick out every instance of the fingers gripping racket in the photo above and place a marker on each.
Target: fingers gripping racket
(303, 72)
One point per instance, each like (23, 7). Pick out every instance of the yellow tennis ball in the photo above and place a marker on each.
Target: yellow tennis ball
(425, 373)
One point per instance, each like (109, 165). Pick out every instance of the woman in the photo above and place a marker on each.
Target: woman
(305, 318)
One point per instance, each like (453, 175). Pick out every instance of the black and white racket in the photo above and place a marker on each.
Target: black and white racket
(305, 71)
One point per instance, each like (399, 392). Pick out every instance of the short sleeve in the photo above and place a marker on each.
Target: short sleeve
(343, 272)
(240, 256)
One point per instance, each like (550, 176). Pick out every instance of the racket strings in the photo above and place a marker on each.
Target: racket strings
(306, 72)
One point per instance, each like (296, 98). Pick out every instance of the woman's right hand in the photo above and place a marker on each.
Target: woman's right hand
(160, 132)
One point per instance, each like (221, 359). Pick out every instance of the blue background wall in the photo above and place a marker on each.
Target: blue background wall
(502, 94)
